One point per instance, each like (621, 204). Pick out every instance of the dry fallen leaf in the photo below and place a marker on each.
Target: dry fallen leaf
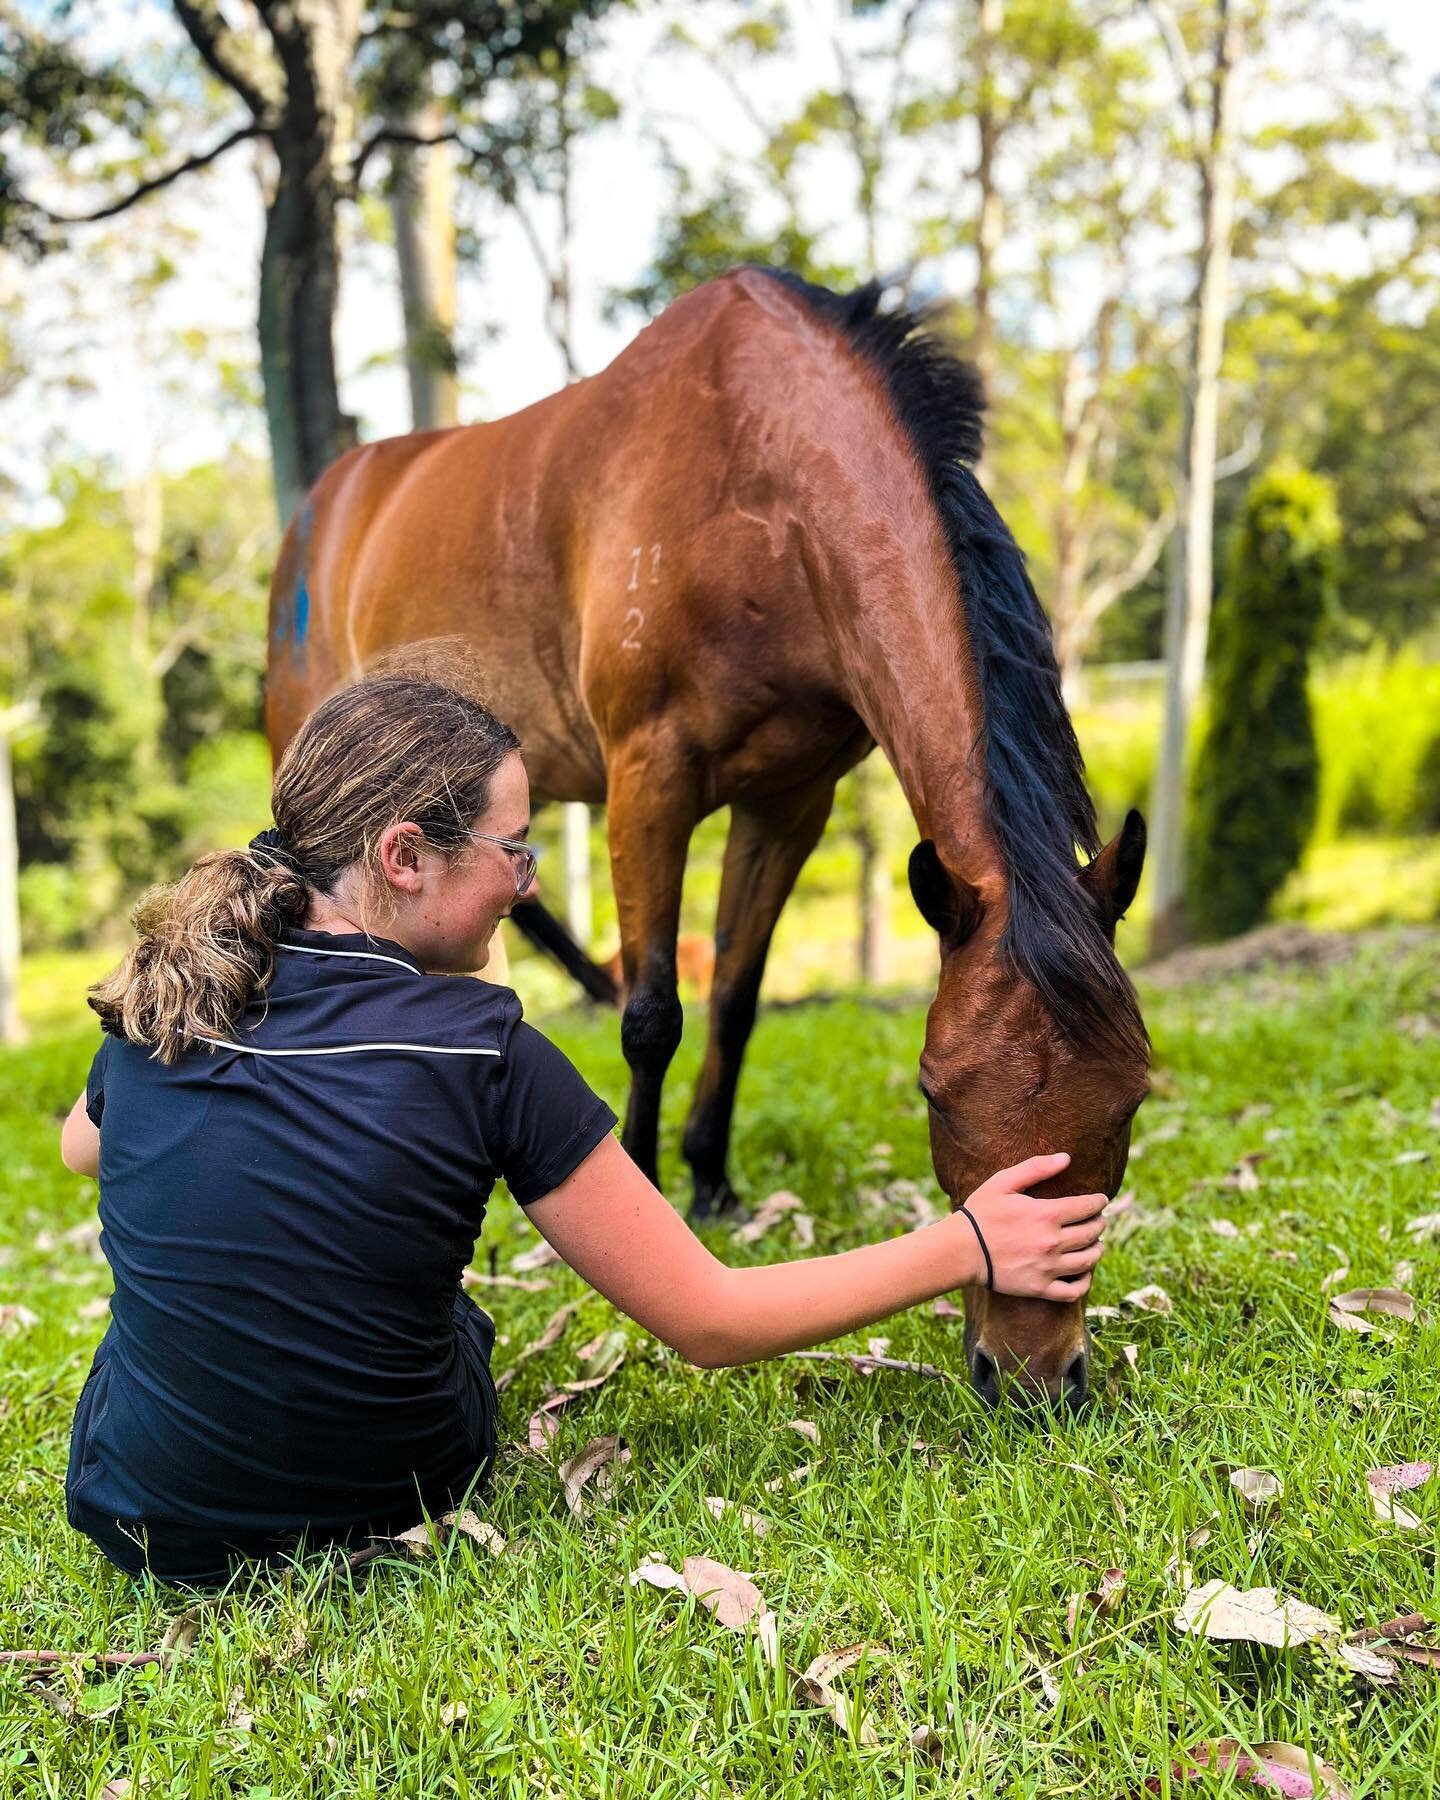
(814, 1685)
(604, 1353)
(768, 1213)
(878, 1346)
(540, 1257)
(95, 1309)
(426, 1537)
(1385, 1483)
(731, 1597)
(926, 1741)
(1371, 1662)
(752, 1521)
(1149, 1299)
(806, 1427)
(454, 1712)
(1345, 1310)
(599, 1454)
(184, 1628)
(1117, 1376)
(945, 1309)
(1102, 1600)
(1252, 1616)
(801, 1473)
(1424, 1228)
(1243, 1177)
(1258, 1488)
(476, 1528)
(804, 1230)
(15, 1318)
(1283, 1768)
(535, 1284)
(657, 1574)
(1225, 1228)
(545, 1422)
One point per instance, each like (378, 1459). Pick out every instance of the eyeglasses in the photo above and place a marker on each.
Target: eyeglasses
(524, 856)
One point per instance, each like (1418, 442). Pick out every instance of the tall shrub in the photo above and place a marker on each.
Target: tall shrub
(1256, 777)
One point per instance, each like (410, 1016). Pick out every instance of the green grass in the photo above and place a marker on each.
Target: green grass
(958, 1560)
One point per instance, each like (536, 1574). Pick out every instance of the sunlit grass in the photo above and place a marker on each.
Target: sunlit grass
(955, 1562)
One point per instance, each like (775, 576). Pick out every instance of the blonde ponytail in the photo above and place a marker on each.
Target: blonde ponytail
(207, 943)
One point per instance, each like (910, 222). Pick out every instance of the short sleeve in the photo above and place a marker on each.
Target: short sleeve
(540, 1118)
(95, 1083)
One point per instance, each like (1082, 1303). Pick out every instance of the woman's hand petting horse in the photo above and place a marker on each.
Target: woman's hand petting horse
(617, 1231)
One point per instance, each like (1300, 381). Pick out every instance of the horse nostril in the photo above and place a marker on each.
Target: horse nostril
(1075, 1383)
(985, 1372)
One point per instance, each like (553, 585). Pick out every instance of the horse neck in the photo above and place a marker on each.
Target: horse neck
(897, 626)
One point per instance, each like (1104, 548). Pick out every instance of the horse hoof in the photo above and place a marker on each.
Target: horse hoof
(719, 1205)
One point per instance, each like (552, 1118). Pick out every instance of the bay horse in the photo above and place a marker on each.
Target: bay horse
(719, 573)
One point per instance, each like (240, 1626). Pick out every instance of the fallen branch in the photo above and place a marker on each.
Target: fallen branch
(868, 1365)
(41, 1660)
(1405, 1626)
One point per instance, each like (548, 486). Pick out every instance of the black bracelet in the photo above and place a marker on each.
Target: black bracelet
(984, 1247)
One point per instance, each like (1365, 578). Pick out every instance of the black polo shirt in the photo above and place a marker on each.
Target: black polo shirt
(287, 1215)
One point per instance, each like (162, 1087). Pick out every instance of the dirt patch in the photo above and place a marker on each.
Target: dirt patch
(1288, 947)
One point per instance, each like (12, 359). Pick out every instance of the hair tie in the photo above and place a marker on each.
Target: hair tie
(984, 1247)
(270, 847)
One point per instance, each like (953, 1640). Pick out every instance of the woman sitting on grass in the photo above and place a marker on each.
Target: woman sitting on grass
(296, 1125)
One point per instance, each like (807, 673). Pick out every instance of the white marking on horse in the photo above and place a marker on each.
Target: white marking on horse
(635, 556)
(633, 620)
(655, 565)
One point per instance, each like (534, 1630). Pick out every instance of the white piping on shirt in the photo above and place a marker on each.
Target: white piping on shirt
(348, 1049)
(369, 955)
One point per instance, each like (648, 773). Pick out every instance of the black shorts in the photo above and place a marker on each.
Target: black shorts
(187, 1556)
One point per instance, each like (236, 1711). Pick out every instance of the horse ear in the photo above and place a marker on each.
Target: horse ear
(947, 904)
(1111, 880)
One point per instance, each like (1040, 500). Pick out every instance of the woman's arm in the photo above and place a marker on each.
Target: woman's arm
(619, 1232)
(80, 1141)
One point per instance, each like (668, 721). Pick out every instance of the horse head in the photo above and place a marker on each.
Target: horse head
(1006, 1078)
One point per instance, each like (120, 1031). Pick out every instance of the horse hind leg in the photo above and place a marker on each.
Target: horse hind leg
(764, 854)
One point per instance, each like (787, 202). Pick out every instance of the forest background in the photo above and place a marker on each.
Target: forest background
(1188, 245)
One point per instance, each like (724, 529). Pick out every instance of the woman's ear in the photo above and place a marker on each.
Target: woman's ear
(947, 904)
(400, 849)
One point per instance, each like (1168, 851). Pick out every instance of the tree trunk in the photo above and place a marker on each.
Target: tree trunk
(990, 219)
(299, 288)
(12, 1026)
(422, 211)
(875, 887)
(1187, 619)
(1167, 809)
(1070, 633)
(576, 836)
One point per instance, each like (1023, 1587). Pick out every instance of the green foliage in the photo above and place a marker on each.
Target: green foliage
(1257, 774)
(1349, 378)
(59, 904)
(706, 237)
(142, 695)
(1378, 723)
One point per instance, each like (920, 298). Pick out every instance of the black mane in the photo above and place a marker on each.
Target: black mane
(1035, 793)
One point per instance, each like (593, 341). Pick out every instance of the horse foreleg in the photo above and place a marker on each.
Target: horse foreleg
(763, 855)
(652, 812)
